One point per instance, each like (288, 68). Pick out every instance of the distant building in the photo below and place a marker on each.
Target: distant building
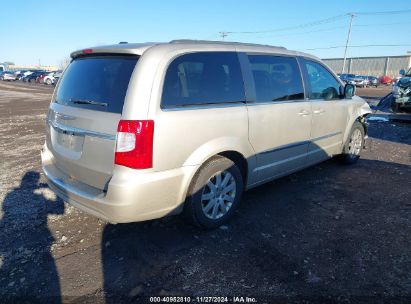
(375, 66)
(4, 66)
(9, 66)
(50, 68)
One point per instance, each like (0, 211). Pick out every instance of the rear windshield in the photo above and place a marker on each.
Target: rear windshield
(96, 83)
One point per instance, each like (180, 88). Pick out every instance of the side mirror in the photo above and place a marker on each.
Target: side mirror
(402, 72)
(349, 91)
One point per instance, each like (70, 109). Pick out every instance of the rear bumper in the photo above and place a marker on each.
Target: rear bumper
(131, 196)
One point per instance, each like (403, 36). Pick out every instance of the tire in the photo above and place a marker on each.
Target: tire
(354, 144)
(48, 81)
(395, 107)
(208, 206)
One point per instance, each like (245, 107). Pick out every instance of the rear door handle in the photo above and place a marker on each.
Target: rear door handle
(319, 111)
(303, 113)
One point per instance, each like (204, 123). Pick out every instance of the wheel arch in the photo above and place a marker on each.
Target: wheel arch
(241, 162)
(360, 114)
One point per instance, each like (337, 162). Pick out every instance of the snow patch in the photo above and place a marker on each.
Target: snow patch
(378, 118)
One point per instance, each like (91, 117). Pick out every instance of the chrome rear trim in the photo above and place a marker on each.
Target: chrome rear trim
(79, 132)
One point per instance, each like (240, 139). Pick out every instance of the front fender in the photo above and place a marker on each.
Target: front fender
(357, 109)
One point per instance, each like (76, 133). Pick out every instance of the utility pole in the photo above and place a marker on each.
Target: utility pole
(223, 35)
(352, 15)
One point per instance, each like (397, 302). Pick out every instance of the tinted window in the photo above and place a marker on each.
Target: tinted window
(276, 78)
(203, 78)
(322, 83)
(101, 79)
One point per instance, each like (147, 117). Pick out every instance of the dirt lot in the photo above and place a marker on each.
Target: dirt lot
(381, 91)
(339, 233)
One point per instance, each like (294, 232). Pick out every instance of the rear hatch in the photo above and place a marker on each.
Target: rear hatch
(84, 114)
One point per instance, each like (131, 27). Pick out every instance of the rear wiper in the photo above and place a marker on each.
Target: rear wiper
(89, 102)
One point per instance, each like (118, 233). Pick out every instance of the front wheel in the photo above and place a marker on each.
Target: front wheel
(214, 194)
(354, 144)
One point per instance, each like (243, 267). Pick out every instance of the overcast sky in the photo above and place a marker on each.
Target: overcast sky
(47, 31)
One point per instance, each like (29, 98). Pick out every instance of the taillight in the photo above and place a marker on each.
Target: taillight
(87, 51)
(134, 146)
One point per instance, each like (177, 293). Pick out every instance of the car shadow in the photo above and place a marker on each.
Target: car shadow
(28, 271)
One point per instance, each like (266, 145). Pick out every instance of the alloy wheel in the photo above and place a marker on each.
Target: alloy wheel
(218, 195)
(355, 144)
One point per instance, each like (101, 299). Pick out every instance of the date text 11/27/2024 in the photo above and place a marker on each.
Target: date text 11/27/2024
(184, 299)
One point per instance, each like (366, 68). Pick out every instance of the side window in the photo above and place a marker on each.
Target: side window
(276, 78)
(203, 78)
(322, 83)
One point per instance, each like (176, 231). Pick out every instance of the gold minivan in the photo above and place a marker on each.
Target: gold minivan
(141, 131)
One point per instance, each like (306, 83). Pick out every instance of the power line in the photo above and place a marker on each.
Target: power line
(302, 33)
(328, 29)
(381, 24)
(385, 12)
(316, 23)
(357, 46)
(304, 25)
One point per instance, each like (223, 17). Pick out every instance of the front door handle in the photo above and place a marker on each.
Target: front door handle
(319, 111)
(303, 113)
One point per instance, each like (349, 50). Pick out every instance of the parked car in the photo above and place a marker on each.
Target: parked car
(347, 78)
(25, 74)
(40, 78)
(356, 80)
(385, 80)
(56, 77)
(402, 93)
(33, 77)
(52, 77)
(373, 81)
(191, 126)
(7, 76)
(365, 83)
(19, 74)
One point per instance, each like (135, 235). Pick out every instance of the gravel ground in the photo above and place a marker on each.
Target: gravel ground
(331, 233)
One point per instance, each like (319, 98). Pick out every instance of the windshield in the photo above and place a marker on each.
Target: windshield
(96, 82)
(408, 73)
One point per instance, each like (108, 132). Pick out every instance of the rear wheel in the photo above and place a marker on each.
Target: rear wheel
(354, 144)
(214, 194)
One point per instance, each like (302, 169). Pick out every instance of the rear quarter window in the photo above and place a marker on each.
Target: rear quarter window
(276, 78)
(96, 82)
(203, 78)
